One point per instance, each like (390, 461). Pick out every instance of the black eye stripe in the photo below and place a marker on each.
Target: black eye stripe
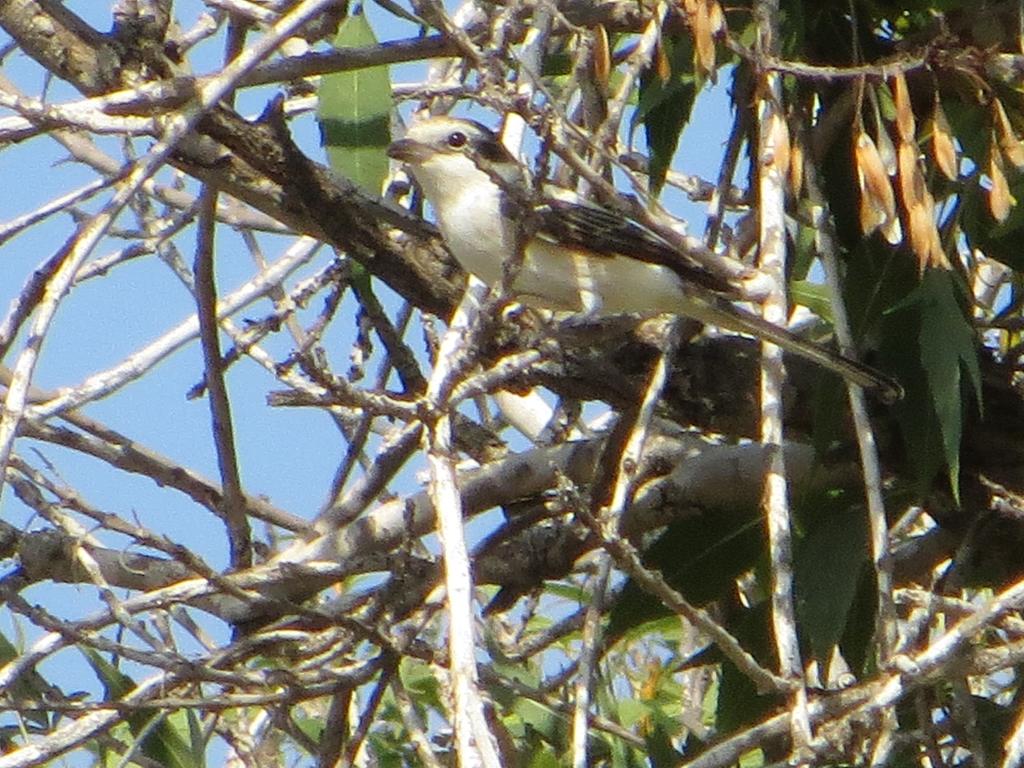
(494, 151)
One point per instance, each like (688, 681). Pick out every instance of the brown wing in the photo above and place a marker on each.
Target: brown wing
(603, 231)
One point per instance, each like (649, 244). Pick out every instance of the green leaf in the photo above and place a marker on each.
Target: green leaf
(947, 346)
(28, 685)
(195, 734)
(738, 701)
(665, 628)
(355, 112)
(664, 107)
(918, 422)
(420, 683)
(928, 343)
(700, 557)
(165, 741)
(116, 684)
(551, 725)
(659, 748)
(624, 756)
(995, 723)
(827, 569)
(940, 358)
(543, 757)
(805, 250)
(857, 643)
(568, 591)
(387, 751)
(519, 671)
(815, 296)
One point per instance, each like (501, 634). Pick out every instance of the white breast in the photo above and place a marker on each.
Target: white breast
(474, 234)
(468, 208)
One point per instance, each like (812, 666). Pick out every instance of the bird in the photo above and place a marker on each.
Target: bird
(573, 255)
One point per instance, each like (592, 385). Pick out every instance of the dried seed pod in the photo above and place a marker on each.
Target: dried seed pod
(796, 168)
(929, 245)
(1000, 200)
(892, 231)
(937, 258)
(912, 186)
(905, 126)
(918, 205)
(920, 233)
(661, 63)
(871, 215)
(886, 149)
(1011, 146)
(602, 61)
(716, 18)
(703, 38)
(777, 139)
(943, 147)
(877, 201)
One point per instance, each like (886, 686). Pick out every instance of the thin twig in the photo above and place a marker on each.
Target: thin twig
(773, 146)
(232, 506)
(886, 620)
(476, 744)
(355, 745)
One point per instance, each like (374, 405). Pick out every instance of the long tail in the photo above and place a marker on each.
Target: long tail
(732, 318)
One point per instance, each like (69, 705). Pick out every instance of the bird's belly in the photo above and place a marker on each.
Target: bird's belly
(562, 278)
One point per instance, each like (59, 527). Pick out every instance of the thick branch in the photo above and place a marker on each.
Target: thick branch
(62, 43)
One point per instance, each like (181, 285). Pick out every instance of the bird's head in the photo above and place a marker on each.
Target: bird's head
(446, 152)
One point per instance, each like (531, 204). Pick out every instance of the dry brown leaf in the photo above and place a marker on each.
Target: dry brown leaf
(905, 126)
(1000, 201)
(943, 147)
(602, 55)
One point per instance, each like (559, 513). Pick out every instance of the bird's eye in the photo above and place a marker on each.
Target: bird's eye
(456, 139)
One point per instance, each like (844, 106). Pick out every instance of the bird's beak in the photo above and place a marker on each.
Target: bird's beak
(408, 151)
